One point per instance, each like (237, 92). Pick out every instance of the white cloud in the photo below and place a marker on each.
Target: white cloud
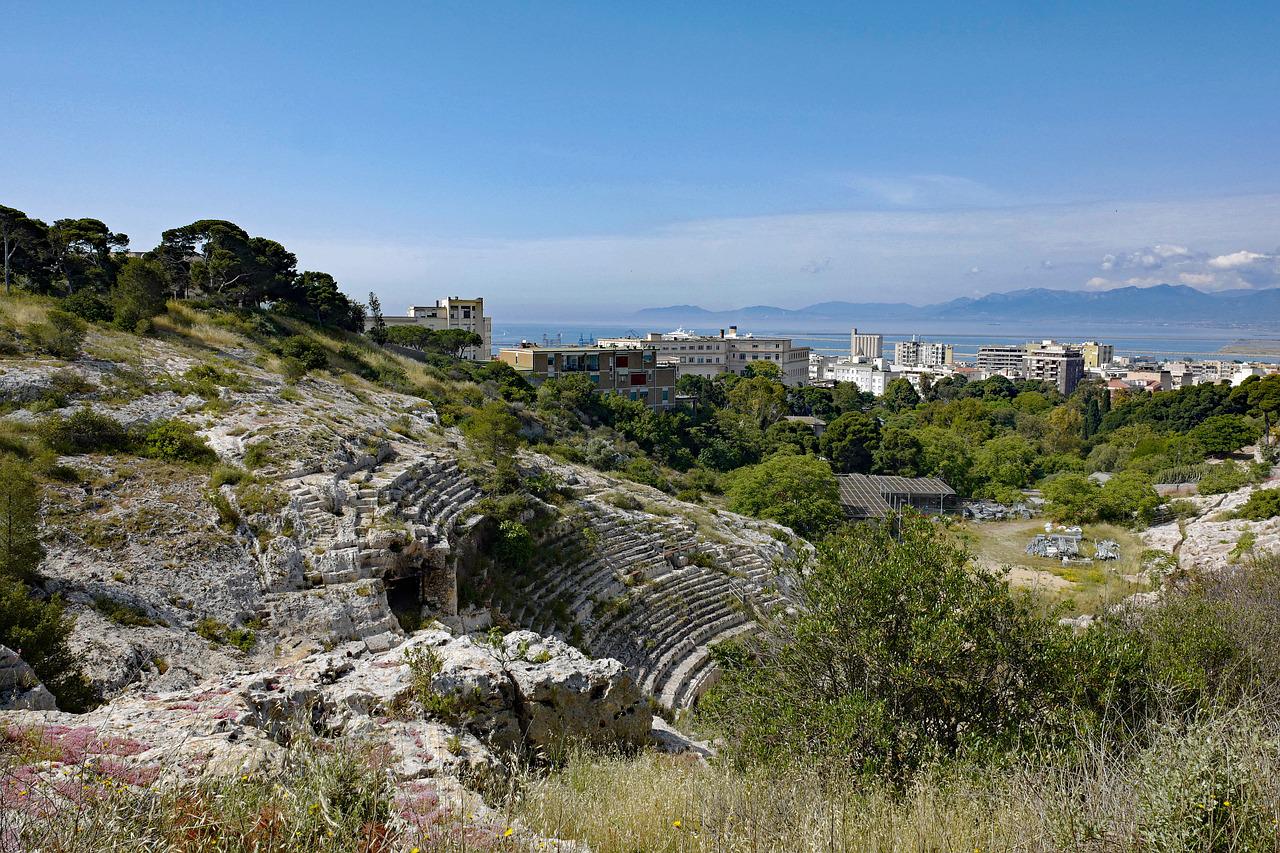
(1149, 258)
(1236, 260)
(1197, 279)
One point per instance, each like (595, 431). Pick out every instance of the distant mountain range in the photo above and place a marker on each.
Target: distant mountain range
(1164, 303)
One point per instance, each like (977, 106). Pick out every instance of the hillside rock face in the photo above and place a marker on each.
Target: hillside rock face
(1212, 541)
(490, 703)
(20, 689)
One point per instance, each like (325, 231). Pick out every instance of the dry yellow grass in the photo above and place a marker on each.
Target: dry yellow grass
(1079, 588)
(22, 309)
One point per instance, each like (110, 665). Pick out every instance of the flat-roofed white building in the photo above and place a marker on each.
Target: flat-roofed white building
(727, 352)
(872, 375)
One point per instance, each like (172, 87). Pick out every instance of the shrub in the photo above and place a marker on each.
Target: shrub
(176, 441)
(87, 305)
(1261, 505)
(60, 335)
(257, 455)
(514, 544)
(84, 431)
(40, 629)
(222, 634)
(902, 652)
(20, 549)
(1223, 477)
(310, 354)
(259, 498)
(122, 613)
(139, 294)
(797, 491)
(293, 369)
(224, 475)
(227, 515)
(207, 379)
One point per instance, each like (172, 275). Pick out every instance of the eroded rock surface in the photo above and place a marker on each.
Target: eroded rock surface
(20, 688)
(489, 704)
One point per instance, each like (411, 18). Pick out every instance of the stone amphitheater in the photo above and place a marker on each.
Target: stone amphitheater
(382, 529)
(653, 588)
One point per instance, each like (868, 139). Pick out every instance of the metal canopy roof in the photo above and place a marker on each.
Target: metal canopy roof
(873, 496)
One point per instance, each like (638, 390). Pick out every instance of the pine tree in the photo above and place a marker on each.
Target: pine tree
(377, 326)
(20, 550)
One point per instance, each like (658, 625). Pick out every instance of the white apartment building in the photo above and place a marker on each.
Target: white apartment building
(451, 312)
(728, 352)
(918, 353)
(868, 374)
(865, 345)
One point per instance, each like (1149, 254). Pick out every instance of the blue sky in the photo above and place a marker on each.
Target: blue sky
(569, 159)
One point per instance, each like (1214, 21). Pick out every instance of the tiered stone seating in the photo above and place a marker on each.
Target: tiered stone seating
(426, 494)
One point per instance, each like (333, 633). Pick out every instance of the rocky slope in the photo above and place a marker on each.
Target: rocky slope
(362, 501)
(1212, 541)
(511, 698)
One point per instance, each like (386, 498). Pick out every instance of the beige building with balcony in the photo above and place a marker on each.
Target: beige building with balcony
(633, 372)
(451, 312)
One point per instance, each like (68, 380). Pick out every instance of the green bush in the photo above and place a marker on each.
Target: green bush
(122, 613)
(1223, 477)
(87, 305)
(513, 546)
(1261, 505)
(139, 294)
(293, 369)
(20, 496)
(257, 455)
(259, 498)
(901, 653)
(310, 354)
(223, 634)
(40, 628)
(797, 491)
(223, 475)
(84, 431)
(176, 441)
(227, 515)
(60, 335)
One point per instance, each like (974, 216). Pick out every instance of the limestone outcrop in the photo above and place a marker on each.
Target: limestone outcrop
(488, 703)
(1212, 540)
(20, 688)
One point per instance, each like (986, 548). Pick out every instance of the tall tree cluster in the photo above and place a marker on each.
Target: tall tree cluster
(210, 259)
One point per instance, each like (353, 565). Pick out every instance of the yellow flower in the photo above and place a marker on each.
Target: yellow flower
(1227, 803)
(510, 832)
(416, 850)
(676, 824)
